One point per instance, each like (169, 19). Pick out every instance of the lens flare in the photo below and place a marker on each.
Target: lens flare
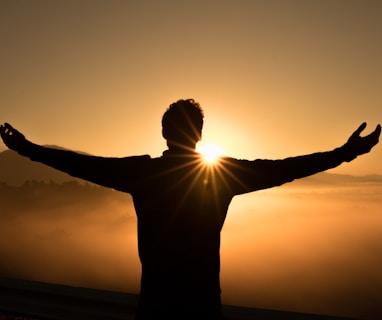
(210, 151)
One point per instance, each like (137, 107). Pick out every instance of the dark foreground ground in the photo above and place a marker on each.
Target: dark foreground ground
(29, 300)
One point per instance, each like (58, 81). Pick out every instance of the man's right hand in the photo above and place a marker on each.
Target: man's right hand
(12, 138)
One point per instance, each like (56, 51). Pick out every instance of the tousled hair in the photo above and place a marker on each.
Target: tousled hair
(183, 122)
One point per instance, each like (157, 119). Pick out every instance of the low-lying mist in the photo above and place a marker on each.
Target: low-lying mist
(299, 247)
(76, 235)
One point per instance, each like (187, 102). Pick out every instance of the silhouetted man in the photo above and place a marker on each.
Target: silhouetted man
(181, 204)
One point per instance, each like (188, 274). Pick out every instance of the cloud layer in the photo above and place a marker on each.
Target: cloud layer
(306, 247)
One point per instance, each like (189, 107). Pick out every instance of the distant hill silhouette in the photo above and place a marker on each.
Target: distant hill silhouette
(15, 170)
(332, 179)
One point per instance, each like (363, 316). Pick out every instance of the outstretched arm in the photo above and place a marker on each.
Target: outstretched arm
(306, 165)
(109, 172)
(262, 174)
(355, 146)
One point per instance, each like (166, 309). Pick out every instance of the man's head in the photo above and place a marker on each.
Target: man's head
(182, 124)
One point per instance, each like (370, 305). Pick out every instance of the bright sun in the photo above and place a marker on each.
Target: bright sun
(210, 151)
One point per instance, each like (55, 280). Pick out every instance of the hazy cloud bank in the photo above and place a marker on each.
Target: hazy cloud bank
(311, 247)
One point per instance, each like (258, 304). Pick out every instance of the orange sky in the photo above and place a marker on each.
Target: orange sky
(275, 78)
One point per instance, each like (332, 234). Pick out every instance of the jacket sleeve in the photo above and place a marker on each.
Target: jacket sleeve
(246, 176)
(116, 173)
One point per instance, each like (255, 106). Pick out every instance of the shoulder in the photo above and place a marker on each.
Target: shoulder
(245, 166)
(234, 162)
(145, 157)
(140, 160)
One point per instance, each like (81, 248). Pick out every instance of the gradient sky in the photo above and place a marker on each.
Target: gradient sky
(275, 78)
